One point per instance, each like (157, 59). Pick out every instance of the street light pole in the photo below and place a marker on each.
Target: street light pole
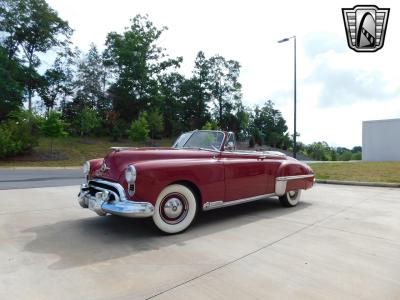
(294, 94)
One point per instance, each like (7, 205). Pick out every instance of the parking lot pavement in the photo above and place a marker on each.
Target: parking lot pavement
(23, 178)
(340, 242)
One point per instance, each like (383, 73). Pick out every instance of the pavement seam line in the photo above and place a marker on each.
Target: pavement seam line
(230, 262)
(256, 250)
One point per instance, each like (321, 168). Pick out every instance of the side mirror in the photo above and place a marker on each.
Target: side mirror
(230, 146)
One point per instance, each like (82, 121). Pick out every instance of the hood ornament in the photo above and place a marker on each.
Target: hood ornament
(104, 167)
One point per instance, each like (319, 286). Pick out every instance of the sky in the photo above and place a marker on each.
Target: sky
(337, 88)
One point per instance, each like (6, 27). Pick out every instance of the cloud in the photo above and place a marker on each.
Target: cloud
(322, 42)
(346, 86)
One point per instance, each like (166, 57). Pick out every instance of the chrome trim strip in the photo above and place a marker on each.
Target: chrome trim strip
(294, 177)
(219, 204)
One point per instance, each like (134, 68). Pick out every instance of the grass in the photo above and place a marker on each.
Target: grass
(359, 171)
(72, 151)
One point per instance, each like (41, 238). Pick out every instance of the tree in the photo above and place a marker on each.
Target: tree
(32, 27)
(53, 127)
(87, 120)
(196, 95)
(224, 87)
(319, 151)
(139, 131)
(57, 82)
(91, 82)
(11, 84)
(155, 123)
(137, 62)
(171, 97)
(270, 124)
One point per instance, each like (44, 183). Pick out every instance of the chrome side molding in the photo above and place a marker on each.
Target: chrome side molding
(220, 203)
(280, 190)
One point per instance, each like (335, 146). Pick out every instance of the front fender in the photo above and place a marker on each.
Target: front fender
(153, 176)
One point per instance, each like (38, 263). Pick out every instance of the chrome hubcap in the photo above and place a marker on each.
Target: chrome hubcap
(173, 208)
(292, 194)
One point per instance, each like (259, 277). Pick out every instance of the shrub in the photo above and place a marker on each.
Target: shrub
(19, 134)
(139, 131)
(87, 121)
(356, 156)
(53, 127)
(8, 145)
(155, 123)
(118, 130)
(345, 156)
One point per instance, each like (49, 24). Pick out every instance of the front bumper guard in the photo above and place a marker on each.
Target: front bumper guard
(120, 207)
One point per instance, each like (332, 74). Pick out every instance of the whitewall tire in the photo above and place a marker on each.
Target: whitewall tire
(175, 209)
(291, 198)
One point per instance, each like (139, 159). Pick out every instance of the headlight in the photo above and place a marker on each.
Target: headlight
(86, 167)
(130, 174)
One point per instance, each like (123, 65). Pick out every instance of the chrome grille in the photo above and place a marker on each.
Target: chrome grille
(116, 190)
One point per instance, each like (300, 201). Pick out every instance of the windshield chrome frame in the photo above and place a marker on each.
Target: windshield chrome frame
(207, 149)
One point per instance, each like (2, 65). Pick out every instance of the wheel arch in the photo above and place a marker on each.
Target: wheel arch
(193, 187)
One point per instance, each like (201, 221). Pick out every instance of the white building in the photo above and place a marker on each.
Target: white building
(381, 140)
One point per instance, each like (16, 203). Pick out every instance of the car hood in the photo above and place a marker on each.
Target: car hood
(116, 161)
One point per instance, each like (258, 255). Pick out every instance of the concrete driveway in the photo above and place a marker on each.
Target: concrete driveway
(341, 242)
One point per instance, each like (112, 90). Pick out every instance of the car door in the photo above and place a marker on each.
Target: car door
(245, 175)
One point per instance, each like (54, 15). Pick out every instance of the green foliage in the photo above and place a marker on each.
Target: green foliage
(210, 125)
(268, 125)
(90, 83)
(87, 121)
(224, 87)
(32, 27)
(11, 84)
(319, 151)
(155, 124)
(19, 134)
(57, 81)
(9, 146)
(53, 126)
(345, 156)
(356, 156)
(137, 62)
(139, 130)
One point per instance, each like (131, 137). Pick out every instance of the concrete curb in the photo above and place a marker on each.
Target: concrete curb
(359, 183)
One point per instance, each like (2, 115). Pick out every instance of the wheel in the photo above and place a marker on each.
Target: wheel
(175, 209)
(291, 198)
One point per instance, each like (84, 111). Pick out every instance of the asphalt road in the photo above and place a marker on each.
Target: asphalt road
(340, 242)
(23, 178)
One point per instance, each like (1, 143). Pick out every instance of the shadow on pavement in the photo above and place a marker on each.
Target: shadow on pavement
(98, 239)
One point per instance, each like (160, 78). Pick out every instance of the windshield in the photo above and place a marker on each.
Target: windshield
(211, 140)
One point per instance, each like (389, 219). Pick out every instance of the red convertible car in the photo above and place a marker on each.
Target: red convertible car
(201, 171)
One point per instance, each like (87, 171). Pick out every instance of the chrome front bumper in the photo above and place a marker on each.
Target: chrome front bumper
(108, 197)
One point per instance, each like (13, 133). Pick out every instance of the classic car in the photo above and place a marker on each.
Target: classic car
(203, 170)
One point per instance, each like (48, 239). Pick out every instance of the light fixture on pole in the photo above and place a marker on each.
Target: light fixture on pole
(294, 93)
